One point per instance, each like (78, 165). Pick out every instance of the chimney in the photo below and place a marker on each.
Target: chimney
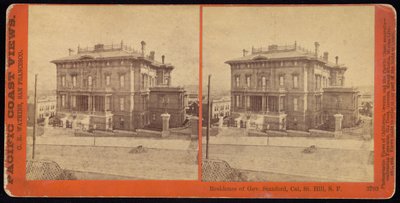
(151, 56)
(326, 54)
(244, 52)
(337, 59)
(162, 59)
(143, 43)
(316, 48)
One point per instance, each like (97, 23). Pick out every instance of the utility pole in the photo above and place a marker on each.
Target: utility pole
(208, 115)
(34, 120)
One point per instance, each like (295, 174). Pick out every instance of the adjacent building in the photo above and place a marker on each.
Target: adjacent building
(192, 107)
(169, 100)
(220, 107)
(45, 108)
(289, 87)
(109, 87)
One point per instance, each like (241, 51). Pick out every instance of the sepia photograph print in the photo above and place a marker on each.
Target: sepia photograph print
(288, 94)
(200, 101)
(112, 93)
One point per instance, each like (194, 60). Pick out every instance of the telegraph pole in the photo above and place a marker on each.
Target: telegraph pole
(34, 120)
(208, 115)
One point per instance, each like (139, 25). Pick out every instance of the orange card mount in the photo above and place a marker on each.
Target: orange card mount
(227, 101)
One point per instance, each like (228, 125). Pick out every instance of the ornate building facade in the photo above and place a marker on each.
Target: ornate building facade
(283, 87)
(108, 86)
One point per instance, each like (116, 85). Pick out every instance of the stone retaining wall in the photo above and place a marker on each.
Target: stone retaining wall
(148, 133)
(321, 133)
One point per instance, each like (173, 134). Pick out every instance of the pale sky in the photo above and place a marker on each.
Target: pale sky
(172, 31)
(344, 31)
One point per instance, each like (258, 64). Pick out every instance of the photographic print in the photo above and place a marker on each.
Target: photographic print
(200, 101)
(298, 86)
(111, 92)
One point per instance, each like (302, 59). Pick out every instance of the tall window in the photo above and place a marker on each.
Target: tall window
(237, 100)
(237, 81)
(281, 103)
(73, 98)
(295, 81)
(63, 81)
(318, 102)
(248, 81)
(90, 81)
(121, 80)
(108, 102)
(74, 81)
(62, 100)
(281, 80)
(263, 81)
(295, 104)
(121, 103)
(108, 79)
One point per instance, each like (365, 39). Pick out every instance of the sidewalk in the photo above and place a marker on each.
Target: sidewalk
(156, 143)
(232, 137)
(329, 164)
(153, 164)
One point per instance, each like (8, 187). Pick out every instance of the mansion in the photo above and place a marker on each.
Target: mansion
(291, 88)
(110, 87)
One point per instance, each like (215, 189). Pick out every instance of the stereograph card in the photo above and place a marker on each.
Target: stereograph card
(231, 101)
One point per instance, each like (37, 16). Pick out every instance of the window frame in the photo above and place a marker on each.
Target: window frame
(281, 80)
(295, 81)
(90, 81)
(108, 79)
(295, 104)
(122, 80)
(74, 80)
(121, 104)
